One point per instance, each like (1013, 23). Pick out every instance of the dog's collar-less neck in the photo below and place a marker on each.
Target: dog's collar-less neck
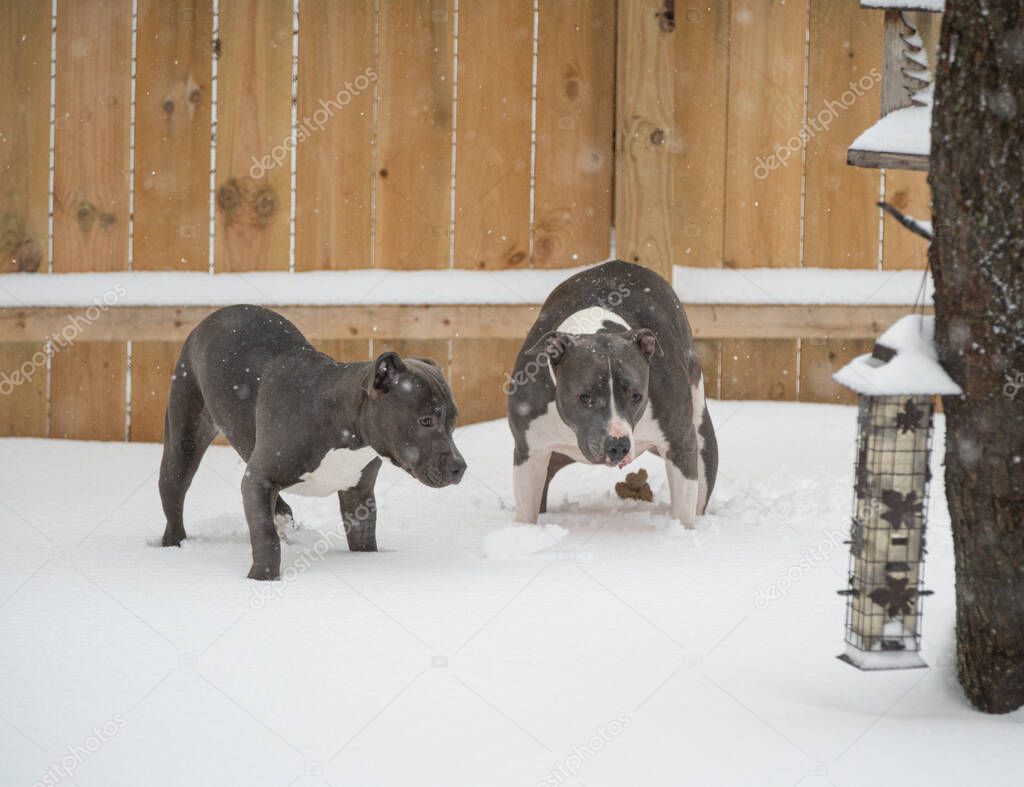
(346, 403)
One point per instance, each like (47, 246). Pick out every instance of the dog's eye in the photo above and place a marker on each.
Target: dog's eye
(586, 399)
(637, 398)
(427, 421)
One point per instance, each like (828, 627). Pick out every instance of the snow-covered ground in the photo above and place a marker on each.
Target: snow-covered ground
(622, 651)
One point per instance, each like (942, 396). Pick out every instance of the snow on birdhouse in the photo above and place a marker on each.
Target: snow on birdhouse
(901, 139)
(897, 383)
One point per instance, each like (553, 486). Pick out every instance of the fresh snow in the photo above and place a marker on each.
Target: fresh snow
(522, 540)
(635, 652)
(378, 286)
(813, 286)
(915, 368)
(904, 131)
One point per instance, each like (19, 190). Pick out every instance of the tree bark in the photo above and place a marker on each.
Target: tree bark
(977, 259)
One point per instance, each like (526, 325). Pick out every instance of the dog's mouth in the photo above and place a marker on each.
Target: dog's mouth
(429, 476)
(599, 457)
(403, 466)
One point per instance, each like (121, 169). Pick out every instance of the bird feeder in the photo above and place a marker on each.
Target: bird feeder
(897, 384)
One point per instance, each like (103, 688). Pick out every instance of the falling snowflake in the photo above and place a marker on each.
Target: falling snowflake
(902, 508)
(896, 597)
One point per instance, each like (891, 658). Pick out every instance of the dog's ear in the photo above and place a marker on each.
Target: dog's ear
(646, 341)
(421, 359)
(552, 345)
(386, 369)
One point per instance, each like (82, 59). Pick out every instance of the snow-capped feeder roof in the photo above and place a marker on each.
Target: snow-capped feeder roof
(904, 361)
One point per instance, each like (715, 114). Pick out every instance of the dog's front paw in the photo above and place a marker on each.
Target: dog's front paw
(285, 525)
(263, 572)
(172, 539)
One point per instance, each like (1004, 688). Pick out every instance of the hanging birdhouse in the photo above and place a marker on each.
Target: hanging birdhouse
(900, 139)
(897, 384)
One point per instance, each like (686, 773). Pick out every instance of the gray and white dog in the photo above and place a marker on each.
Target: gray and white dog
(607, 372)
(303, 423)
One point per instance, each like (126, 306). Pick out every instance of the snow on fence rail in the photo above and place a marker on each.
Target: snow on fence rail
(754, 286)
(97, 366)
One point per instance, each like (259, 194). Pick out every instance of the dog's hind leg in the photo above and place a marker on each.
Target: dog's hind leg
(188, 432)
(708, 466)
(555, 463)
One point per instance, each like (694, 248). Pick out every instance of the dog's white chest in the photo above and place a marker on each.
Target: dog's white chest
(339, 469)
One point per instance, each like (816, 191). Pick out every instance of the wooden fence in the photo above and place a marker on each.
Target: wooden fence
(501, 135)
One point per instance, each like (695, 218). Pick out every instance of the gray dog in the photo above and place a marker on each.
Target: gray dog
(303, 423)
(607, 372)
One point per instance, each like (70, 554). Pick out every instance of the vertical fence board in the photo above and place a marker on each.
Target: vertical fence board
(87, 391)
(819, 360)
(24, 135)
(91, 185)
(172, 135)
(254, 70)
(710, 352)
(841, 226)
(644, 184)
(479, 373)
(762, 211)
(492, 176)
(413, 182)
(151, 369)
(22, 389)
(908, 192)
(91, 173)
(698, 141)
(334, 178)
(759, 369)
(575, 132)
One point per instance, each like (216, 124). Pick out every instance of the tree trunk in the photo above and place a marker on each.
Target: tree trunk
(977, 258)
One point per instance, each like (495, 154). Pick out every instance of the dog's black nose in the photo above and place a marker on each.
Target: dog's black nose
(616, 449)
(456, 467)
